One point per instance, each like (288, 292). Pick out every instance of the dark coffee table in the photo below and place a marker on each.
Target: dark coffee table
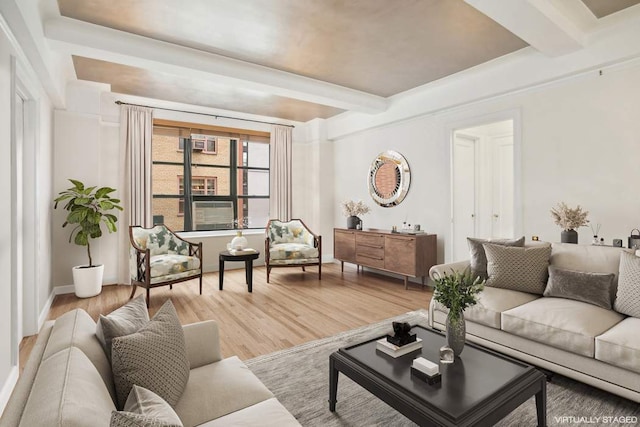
(478, 389)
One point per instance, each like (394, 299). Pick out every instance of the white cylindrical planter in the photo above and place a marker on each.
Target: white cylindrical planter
(87, 281)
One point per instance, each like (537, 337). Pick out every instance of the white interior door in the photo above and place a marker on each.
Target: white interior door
(503, 187)
(464, 194)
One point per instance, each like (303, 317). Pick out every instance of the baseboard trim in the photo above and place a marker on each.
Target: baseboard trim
(44, 313)
(66, 289)
(7, 387)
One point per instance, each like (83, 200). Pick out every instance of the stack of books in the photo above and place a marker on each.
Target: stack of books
(394, 351)
(242, 251)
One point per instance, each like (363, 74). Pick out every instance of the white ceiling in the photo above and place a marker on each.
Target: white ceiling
(306, 59)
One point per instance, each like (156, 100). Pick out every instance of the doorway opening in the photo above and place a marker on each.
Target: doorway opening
(483, 188)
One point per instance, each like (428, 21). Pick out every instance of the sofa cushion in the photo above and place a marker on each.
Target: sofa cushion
(289, 251)
(563, 323)
(269, 412)
(76, 328)
(591, 258)
(68, 391)
(219, 389)
(628, 294)
(144, 408)
(518, 269)
(122, 321)
(478, 259)
(620, 345)
(164, 265)
(154, 357)
(592, 288)
(491, 303)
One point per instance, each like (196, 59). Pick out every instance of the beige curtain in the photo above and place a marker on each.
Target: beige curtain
(280, 173)
(136, 130)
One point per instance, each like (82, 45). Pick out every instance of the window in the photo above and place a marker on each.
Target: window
(229, 174)
(199, 142)
(200, 185)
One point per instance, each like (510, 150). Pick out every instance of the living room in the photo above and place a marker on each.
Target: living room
(569, 82)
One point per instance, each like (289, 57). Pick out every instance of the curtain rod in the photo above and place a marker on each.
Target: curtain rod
(203, 114)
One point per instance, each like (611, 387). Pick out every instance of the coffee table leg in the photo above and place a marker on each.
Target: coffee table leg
(541, 404)
(333, 385)
(221, 272)
(248, 267)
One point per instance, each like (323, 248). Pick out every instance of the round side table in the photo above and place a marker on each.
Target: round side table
(248, 265)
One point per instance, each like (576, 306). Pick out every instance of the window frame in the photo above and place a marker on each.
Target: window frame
(234, 196)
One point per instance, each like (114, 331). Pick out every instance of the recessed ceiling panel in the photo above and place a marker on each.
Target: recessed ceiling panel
(151, 84)
(378, 46)
(601, 8)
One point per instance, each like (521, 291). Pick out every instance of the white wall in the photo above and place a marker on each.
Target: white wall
(580, 145)
(87, 148)
(37, 157)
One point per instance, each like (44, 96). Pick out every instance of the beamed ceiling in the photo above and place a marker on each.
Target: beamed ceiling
(310, 58)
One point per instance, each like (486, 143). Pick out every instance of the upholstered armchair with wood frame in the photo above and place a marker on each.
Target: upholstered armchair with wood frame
(291, 244)
(159, 257)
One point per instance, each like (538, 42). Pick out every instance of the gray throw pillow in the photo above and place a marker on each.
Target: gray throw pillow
(155, 357)
(144, 408)
(518, 269)
(628, 294)
(478, 256)
(592, 288)
(123, 321)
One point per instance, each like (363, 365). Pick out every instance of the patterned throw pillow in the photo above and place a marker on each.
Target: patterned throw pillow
(478, 259)
(144, 408)
(628, 295)
(123, 321)
(518, 269)
(155, 357)
(592, 288)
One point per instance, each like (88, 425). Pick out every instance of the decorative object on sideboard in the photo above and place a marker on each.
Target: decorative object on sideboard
(634, 239)
(239, 242)
(617, 243)
(88, 209)
(457, 291)
(595, 230)
(569, 219)
(352, 210)
(389, 178)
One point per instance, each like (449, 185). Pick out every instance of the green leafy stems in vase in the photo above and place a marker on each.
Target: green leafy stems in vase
(457, 291)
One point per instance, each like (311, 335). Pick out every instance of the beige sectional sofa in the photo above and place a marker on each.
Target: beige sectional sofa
(68, 382)
(591, 344)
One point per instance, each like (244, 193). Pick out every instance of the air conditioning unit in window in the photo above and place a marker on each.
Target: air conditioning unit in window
(197, 144)
(216, 215)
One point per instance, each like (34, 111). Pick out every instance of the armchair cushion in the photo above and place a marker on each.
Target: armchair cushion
(292, 251)
(164, 265)
(289, 232)
(159, 240)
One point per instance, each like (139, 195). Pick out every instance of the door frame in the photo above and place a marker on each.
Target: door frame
(24, 240)
(515, 115)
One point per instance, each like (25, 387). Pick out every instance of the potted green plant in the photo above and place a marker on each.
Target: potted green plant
(457, 291)
(88, 209)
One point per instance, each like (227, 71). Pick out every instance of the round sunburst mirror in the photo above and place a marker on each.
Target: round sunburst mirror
(389, 178)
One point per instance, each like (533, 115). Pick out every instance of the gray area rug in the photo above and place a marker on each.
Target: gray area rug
(299, 377)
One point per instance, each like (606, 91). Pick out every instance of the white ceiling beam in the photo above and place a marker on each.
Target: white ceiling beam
(93, 41)
(551, 28)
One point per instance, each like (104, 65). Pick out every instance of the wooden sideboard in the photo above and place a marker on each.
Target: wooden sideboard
(411, 255)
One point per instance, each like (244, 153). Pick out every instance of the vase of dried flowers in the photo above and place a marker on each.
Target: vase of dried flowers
(569, 219)
(352, 210)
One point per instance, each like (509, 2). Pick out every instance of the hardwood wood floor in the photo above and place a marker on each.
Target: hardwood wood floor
(294, 308)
